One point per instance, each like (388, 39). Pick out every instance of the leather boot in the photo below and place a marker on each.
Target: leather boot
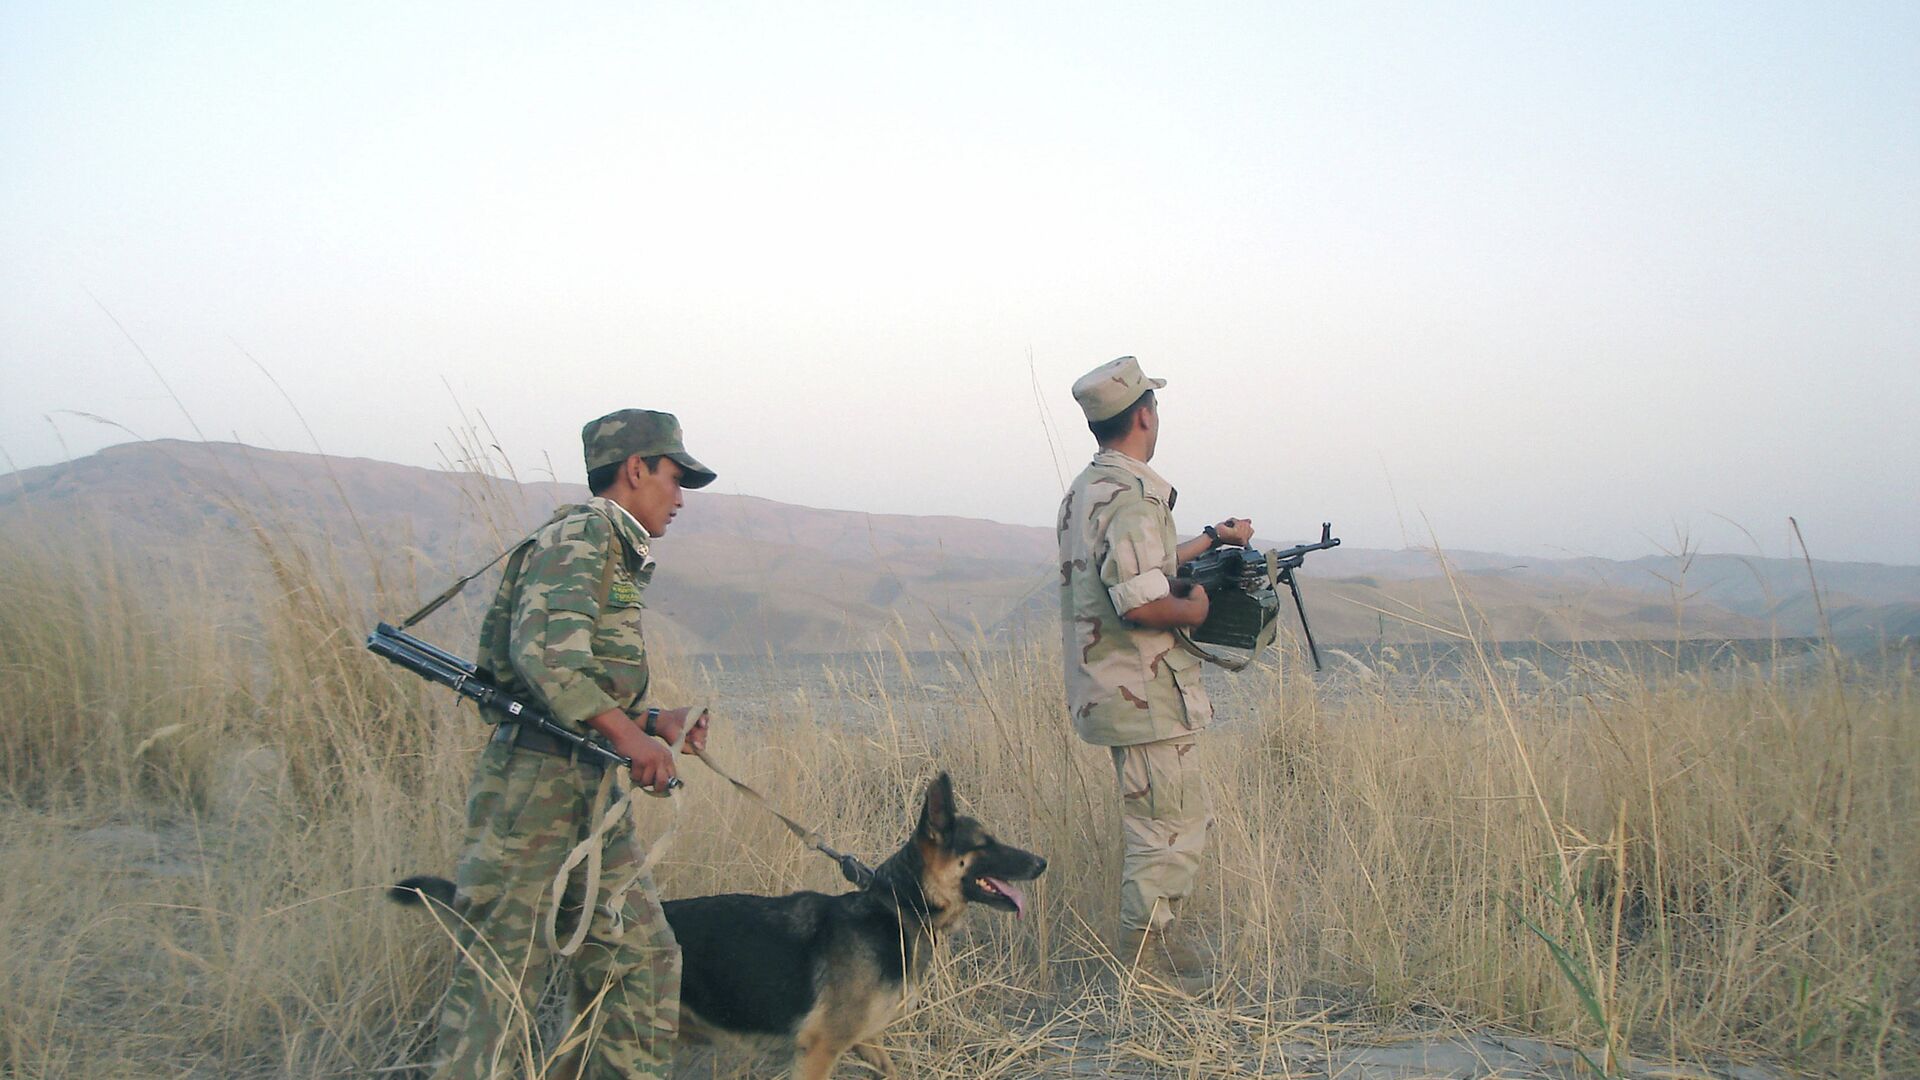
(1167, 958)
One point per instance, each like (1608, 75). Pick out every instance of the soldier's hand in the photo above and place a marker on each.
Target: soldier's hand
(652, 764)
(671, 722)
(1238, 531)
(1199, 597)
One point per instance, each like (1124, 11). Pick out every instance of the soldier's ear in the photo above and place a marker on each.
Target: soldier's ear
(936, 811)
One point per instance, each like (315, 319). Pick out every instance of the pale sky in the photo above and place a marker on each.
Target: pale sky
(1544, 278)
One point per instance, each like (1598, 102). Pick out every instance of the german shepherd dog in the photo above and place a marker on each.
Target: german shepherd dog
(826, 974)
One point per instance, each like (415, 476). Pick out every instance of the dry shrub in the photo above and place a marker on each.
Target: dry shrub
(1713, 864)
(107, 699)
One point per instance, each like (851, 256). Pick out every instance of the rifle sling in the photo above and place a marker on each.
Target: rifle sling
(600, 596)
(453, 590)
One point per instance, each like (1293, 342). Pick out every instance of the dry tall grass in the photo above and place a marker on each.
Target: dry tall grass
(199, 819)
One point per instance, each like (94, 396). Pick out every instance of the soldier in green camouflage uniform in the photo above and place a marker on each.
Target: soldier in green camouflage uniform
(565, 630)
(1131, 687)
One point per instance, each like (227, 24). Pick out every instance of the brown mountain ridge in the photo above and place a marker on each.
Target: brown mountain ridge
(744, 574)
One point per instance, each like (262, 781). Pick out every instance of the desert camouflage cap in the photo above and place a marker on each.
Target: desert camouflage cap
(618, 436)
(1106, 391)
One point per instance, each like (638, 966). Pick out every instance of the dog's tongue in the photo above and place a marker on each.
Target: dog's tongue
(1008, 890)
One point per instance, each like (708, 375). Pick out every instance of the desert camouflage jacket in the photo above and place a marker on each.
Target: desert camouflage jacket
(565, 623)
(1126, 684)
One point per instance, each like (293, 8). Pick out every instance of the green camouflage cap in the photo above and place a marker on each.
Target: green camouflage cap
(1106, 391)
(618, 436)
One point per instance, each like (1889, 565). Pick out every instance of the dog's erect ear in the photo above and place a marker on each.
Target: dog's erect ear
(936, 814)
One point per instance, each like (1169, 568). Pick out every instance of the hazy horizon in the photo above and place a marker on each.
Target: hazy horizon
(1550, 282)
(1376, 544)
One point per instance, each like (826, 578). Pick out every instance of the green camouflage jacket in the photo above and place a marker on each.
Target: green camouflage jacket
(1126, 684)
(565, 623)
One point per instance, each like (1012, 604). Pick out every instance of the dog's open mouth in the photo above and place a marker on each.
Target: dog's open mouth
(997, 892)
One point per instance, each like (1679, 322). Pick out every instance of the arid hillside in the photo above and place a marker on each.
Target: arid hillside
(741, 574)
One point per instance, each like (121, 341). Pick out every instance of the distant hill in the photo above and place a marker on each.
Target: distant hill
(741, 574)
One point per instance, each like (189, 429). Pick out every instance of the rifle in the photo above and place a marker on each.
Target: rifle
(437, 665)
(1243, 592)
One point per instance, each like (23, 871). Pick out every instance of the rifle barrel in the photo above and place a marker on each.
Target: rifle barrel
(436, 665)
(435, 651)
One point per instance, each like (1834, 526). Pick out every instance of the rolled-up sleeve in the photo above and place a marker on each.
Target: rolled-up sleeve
(1134, 567)
(554, 621)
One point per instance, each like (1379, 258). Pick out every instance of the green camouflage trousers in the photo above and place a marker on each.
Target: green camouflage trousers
(525, 812)
(1164, 818)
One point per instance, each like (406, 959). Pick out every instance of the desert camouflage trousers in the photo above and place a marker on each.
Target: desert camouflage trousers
(1164, 819)
(525, 812)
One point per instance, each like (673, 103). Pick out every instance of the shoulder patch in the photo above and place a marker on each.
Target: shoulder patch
(623, 594)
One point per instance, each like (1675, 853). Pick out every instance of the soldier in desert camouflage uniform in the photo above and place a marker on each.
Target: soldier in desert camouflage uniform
(1130, 686)
(565, 630)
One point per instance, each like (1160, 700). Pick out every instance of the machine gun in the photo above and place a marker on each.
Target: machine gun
(1243, 593)
(435, 664)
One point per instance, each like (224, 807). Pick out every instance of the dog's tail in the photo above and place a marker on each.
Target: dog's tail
(417, 890)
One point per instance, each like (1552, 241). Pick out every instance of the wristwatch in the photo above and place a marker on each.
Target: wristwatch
(1213, 537)
(652, 715)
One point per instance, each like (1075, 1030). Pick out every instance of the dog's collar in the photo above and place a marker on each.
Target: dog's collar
(927, 915)
(902, 893)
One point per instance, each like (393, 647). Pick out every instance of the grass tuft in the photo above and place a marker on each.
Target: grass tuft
(199, 815)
